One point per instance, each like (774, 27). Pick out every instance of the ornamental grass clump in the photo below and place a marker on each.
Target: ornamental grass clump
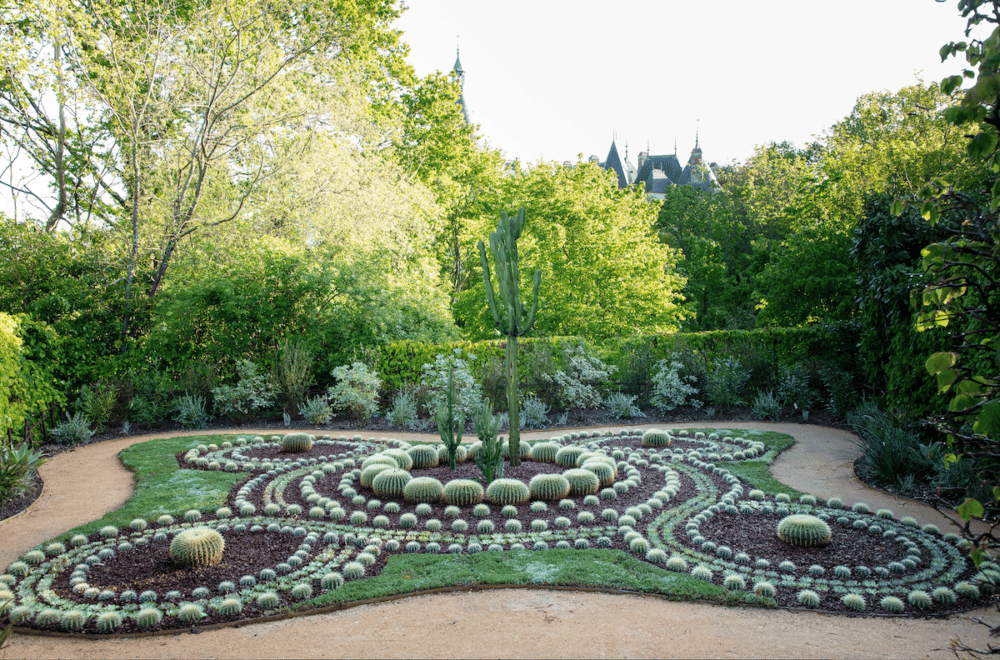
(803, 530)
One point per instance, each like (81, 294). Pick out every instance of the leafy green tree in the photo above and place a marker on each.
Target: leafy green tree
(605, 273)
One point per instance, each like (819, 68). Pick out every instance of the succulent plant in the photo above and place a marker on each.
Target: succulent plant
(919, 598)
(803, 530)
(302, 591)
(854, 602)
(700, 572)
(510, 492)
(147, 617)
(230, 606)
(407, 521)
(369, 473)
(605, 473)
(892, 605)
(581, 482)
(353, 570)
(297, 442)
(655, 438)
(567, 456)
(545, 452)
(764, 589)
(197, 547)
(190, 612)
(463, 492)
(192, 515)
(424, 456)
(734, 583)
(944, 595)
(268, 600)
(423, 490)
(109, 621)
(808, 598)
(391, 483)
(548, 487)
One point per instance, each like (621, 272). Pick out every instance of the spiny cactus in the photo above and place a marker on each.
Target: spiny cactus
(382, 459)
(764, 589)
(148, 617)
(423, 489)
(582, 482)
(369, 473)
(548, 487)
(919, 598)
(191, 612)
(424, 456)
(391, 484)
(297, 442)
(230, 606)
(463, 492)
(197, 547)
(655, 438)
(854, 602)
(509, 315)
(489, 455)
(450, 422)
(892, 605)
(605, 473)
(544, 452)
(401, 457)
(808, 598)
(567, 456)
(508, 492)
(109, 621)
(803, 530)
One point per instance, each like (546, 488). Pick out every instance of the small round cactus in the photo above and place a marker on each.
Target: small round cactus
(424, 456)
(391, 483)
(401, 456)
(268, 600)
(582, 482)
(548, 487)
(605, 473)
(764, 589)
(297, 443)
(803, 530)
(302, 591)
(510, 492)
(369, 473)
(197, 547)
(423, 490)
(545, 452)
(463, 492)
(734, 583)
(892, 605)
(190, 612)
(353, 570)
(944, 595)
(331, 581)
(808, 598)
(230, 606)
(148, 617)
(919, 598)
(567, 456)
(854, 602)
(655, 438)
(109, 621)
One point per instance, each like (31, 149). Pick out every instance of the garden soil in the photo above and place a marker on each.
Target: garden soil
(84, 483)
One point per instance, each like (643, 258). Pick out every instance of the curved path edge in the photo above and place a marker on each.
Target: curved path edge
(84, 483)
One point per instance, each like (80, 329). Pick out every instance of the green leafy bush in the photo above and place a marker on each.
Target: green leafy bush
(726, 382)
(252, 392)
(190, 412)
(316, 410)
(580, 384)
(356, 390)
(403, 412)
(74, 431)
(435, 379)
(97, 402)
(16, 466)
(766, 406)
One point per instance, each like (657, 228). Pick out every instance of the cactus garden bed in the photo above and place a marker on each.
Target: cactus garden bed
(338, 520)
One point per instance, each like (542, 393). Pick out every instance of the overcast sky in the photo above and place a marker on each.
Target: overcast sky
(551, 79)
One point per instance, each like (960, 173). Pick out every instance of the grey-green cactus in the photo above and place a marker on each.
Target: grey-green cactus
(197, 547)
(489, 455)
(423, 489)
(450, 422)
(655, 438)
(582, 482)
(548, 487)
(508, 492)
(424, 456)
(463, 492)
(544, 452)
(567, 456)
(509, 315)
(803, 530)
(297, 442)
(391, 484)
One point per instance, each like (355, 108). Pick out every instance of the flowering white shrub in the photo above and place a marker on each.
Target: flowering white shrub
(468, 394)
(670, 389)
(356, 390)
(578, 386)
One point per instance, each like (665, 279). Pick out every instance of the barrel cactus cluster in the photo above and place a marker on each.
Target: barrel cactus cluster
(344, 506)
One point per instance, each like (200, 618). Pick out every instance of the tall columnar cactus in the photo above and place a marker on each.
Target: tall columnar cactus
(450, 426)
(489, 457)
(509, 315)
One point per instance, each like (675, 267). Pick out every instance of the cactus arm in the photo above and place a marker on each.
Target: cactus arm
(490, 296)
(530, 320)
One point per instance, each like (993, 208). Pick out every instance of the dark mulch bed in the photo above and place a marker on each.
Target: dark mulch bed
(18, 504)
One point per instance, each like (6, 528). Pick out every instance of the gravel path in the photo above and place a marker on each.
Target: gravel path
(83, 484)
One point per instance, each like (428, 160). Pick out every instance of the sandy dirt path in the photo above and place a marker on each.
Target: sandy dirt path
(82, 484)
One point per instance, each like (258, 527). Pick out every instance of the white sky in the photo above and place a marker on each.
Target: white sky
(551, 79)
